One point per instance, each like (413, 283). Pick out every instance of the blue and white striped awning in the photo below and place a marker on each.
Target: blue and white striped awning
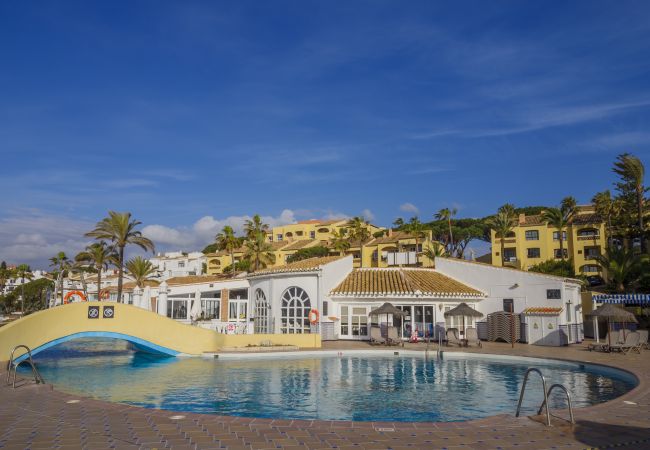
(628, 299)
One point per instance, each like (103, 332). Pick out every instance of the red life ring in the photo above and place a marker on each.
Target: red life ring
(314, 316)
(104, 294)
(66, 299)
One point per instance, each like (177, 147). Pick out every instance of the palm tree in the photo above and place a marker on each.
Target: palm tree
(228, 242)
(502, 223)
(447, 214)
(398, 223)
(340, 241)
(434, 251)
(631, 170)
(140, 270)
(620, 266)
(255, 226)
(259, 252)
(358, 232)
(60, 263)
(98, 256)
(559, 218)
(24, 273)
(418, 230)
(121, 231)
(5, 275)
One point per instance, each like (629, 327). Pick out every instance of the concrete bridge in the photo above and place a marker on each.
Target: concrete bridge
(146, 330)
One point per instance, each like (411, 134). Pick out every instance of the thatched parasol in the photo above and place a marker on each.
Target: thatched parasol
(387, 309)
(463, 310)
(613, 313)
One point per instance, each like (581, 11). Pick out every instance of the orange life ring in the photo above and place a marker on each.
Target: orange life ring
(66, 299)
(104, 294)
(313, 316)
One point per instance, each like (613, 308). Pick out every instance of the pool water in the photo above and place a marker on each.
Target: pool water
(348, 387)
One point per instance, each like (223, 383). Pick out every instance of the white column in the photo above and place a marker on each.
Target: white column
(146, 298)
(162, 299)
(137, 297)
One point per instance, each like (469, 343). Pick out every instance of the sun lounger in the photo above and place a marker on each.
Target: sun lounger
(472, 337)
(632, 343)
(603, 346)
(393, 338)
(452, 337)
(375, 336)
(643, 339)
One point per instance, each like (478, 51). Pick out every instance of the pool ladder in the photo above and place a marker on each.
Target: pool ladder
(12, 366)
(547, 393)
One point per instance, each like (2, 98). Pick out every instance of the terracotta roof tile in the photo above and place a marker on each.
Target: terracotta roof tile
(413, 282)
(542, 310)
(587, 219)
(306, 265)
(396, 236)
(302, 243)
(195, 279)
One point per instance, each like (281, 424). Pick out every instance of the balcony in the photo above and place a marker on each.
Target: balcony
(594, 237)
(401, 259)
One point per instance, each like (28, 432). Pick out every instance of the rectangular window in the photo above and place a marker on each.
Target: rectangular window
(181, 264)
(556, 235)
(553, 294)
(210, 308)
(510, 254)
(237, 310)
(344, 321)
(312, 235)
(557, 253)
(325, 308)
(534, 253)
(532, 235)
(508, 305)
(177, 309)
(279, 237)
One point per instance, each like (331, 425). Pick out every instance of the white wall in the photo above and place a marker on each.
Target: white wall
(527, 289)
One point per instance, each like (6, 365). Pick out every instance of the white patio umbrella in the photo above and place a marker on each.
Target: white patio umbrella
(195, 312)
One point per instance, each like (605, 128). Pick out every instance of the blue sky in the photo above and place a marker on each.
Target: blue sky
(193, 115)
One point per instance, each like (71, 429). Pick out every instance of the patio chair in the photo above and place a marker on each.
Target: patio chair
(452, 337)
(472, 337)
(375, 336)
(632, 342)
(603, 345)
(393, 338)
(643, 339)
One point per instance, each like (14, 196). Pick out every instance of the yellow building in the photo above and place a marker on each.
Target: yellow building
(385, 248)
(532, 241)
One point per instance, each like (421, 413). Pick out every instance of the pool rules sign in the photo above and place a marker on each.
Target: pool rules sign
(93, 312)
(108, 312)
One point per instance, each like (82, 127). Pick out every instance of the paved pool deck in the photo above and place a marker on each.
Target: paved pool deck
(39, 417)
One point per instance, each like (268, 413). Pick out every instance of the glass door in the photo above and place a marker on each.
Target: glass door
(354, 322)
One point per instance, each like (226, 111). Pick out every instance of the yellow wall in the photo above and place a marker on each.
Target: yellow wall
(574, 244)
(45, 326)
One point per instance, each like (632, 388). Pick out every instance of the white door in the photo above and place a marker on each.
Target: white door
(354, 322)
(535, 330)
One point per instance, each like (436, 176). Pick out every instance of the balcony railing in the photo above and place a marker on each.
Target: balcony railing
(594, 237)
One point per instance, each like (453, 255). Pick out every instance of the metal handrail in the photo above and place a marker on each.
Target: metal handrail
(13, 366)
(523, 389)
(568, 397)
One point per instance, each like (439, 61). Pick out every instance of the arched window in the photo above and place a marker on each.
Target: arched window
(262, 313)
(295, 311)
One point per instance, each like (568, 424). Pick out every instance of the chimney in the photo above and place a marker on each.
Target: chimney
(522, 218)
(390, 232)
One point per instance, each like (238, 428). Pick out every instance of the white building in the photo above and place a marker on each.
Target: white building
(326, 295)
(179, 264)
(14, 283)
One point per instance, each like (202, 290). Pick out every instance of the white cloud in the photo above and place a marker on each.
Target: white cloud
(203, 231)
(409, 207)
(32, 237)
(368, 215)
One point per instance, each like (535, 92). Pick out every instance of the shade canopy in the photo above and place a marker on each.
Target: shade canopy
(614, 313)
(463, 310)
(387, 308)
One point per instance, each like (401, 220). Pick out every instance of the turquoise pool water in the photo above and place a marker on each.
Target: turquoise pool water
(348, 387)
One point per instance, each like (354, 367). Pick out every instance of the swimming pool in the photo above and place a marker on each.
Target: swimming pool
(359, 386)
